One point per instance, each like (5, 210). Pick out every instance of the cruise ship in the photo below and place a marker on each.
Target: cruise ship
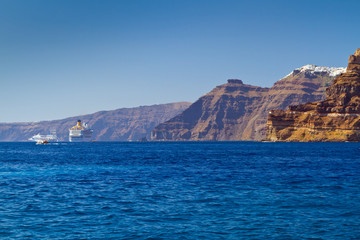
(52, 137)
(80, 133)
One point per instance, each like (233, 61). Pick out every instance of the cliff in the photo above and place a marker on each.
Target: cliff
(237, 111)
(337, 118)
(219, 115)
(125, 124)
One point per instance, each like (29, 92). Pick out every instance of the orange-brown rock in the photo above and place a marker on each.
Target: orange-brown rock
(354, 62)
(335, 119)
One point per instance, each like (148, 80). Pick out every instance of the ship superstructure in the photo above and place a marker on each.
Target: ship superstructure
(52, 137)
(80, 133)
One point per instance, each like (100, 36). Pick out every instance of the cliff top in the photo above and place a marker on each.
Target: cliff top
(313, 69)
(236, 81)
(357, 52)
(354, 62)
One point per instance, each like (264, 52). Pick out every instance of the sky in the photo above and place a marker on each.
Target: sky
(71, 57)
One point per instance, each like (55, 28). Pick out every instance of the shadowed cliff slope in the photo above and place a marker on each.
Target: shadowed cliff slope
(125, 124)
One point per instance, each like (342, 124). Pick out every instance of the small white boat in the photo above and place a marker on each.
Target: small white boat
(41, 142)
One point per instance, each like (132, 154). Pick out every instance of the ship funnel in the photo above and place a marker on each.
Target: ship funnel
(79, 123)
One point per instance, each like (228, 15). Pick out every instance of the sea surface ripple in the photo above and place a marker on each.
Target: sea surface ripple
(180, 190)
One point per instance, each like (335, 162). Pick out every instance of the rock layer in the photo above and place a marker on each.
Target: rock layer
(335, 119)
(237, 111)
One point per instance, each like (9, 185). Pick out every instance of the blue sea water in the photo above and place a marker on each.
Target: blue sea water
(197, 190)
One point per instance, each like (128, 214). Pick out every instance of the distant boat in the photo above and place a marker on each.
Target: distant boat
(42, 142)
(80, 133)
(52, 137)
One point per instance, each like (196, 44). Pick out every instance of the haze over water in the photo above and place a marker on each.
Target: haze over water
(208, 190)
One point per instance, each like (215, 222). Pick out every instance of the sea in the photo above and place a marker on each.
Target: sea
(180, 190)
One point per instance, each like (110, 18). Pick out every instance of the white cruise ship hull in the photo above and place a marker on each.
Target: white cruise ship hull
(80, 135)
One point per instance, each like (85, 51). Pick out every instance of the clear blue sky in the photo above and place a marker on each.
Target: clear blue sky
(64, 58)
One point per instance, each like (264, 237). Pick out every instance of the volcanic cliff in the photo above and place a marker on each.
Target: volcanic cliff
(124, 124)
(237, 111)
(335, 119)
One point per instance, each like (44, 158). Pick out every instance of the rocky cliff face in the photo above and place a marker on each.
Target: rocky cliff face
(236, 111)
(219, 115)
(337, 118)
(126, 124)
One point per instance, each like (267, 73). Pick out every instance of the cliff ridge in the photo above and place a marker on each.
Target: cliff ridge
(124, 124)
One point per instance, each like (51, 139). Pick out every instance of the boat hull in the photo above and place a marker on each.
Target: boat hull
(80, 134)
